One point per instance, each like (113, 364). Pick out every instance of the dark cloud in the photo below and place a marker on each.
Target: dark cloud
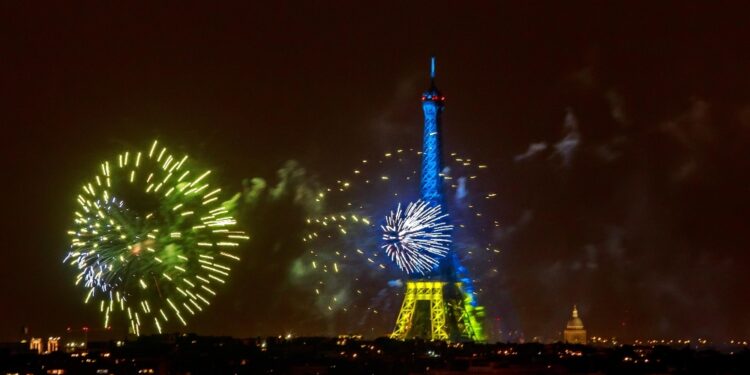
(502, 232)
(617, 107)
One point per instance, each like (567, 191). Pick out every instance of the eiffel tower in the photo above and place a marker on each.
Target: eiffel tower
(440, 305)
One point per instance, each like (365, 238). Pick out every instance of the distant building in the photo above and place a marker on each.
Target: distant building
(35, 345)
(574, 332)
(53, 344)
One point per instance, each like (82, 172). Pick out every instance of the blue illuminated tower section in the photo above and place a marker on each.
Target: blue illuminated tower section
(431, 184)
(440, 305)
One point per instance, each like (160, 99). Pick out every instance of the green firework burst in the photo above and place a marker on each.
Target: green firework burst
(151, 241)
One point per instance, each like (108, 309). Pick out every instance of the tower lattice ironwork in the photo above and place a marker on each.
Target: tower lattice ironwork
(440, 305)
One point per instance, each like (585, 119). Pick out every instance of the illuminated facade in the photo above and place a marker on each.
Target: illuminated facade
(35, 345)
(574, 332)
(440, 305)
(53, 344)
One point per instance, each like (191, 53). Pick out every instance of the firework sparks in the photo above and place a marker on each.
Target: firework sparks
(416, 239)
(345, 265)
(150, 238)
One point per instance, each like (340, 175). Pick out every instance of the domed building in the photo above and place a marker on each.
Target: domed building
(574, 332)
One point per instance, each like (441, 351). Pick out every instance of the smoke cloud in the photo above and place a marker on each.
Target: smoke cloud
(533, 149)
(274, 216)
(567, 146)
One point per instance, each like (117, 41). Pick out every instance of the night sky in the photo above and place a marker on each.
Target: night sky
(616, 137)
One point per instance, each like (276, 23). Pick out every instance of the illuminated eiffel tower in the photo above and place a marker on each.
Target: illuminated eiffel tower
(440, 305)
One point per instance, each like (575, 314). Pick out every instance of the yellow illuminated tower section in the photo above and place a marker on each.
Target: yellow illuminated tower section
(439, 305)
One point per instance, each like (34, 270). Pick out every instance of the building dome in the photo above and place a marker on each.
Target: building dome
(574, 332)
(575, 322)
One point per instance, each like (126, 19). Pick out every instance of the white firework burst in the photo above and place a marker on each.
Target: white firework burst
(416, 239)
